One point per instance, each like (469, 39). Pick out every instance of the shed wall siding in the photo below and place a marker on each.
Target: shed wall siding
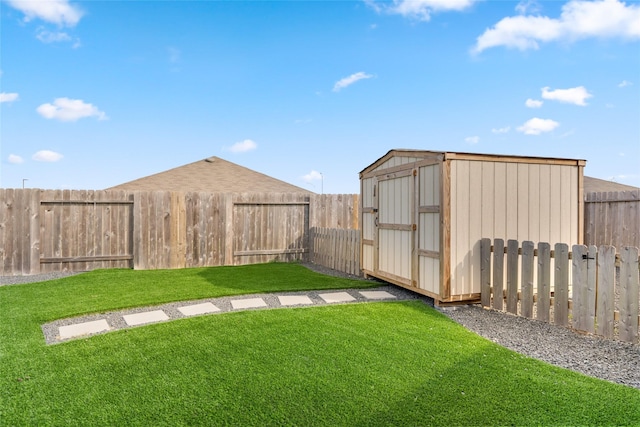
(509, 201)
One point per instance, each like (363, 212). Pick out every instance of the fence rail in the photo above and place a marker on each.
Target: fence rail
(77, 230)
(594, 290)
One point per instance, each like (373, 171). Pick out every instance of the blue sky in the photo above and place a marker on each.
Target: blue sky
(97, 93)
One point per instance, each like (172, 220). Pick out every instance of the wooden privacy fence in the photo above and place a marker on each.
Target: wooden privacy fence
(337, 249)
(612, 218)
(77, 230)
(590, 289)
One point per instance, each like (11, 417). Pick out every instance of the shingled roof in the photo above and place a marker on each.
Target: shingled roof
(211, 175)
(599, 185)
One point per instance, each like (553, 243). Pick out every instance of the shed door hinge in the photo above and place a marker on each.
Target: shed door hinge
(414, 227)
(415, 172)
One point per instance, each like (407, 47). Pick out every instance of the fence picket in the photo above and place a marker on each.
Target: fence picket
(485, 272)
(512, 276)
(561, 285)
(579, 293)
(498, 274)
(629, 285)
(544, 282)
(527, 279)
(606, 294)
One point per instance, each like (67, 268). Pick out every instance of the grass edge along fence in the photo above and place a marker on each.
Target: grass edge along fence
(590, 289)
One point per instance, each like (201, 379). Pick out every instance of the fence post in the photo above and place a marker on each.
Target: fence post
(629, 294)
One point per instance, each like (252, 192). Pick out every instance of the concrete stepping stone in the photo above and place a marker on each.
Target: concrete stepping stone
(334, 297)
(377, 295)
(248, 303)
(294, 300)
(145, 317)
(86, 328)
(196, 309)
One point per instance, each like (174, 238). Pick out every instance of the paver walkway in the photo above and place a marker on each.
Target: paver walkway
(73, 328)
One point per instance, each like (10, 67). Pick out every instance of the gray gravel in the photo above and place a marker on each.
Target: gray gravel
(17, 280)
(609, 360)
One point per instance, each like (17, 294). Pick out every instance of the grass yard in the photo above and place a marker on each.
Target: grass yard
(395, 363)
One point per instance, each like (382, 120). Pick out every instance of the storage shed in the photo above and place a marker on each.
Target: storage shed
(424, 213)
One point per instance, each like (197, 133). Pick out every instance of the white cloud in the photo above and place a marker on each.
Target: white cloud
(15, 159)
(8, 97)
(472, 139)
(59, 12)
(537, 126)
(70, 110)
(579, 19)
(625, 83)
(47, 156)
(533, 103)
(420, 9)
(243, 146)
(46, 36)
(501, 130)
(574, 95)
(312, 176)
(348, 81)
(528, 7)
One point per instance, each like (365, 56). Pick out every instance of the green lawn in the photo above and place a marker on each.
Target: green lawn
(397, 363)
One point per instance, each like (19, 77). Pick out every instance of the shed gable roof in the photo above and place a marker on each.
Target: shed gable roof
(211, 175)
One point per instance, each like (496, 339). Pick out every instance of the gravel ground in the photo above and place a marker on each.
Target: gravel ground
(17, 280)
(606, 359)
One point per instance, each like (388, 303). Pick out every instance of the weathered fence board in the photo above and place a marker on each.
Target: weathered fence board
(512, 276)
(544, 282)
(336, 249)
(593, 300)
(527, 279)
(561, 285)
(606, 278)
(629, 286)
(79, 230)
(498, 274)
(612, 218)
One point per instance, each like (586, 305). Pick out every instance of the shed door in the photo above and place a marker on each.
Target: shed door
(394, 226)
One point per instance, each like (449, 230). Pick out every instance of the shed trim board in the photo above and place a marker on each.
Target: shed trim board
(424, 213)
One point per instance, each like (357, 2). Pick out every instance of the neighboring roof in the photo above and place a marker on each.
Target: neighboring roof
(599, 185)
(211, 175)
